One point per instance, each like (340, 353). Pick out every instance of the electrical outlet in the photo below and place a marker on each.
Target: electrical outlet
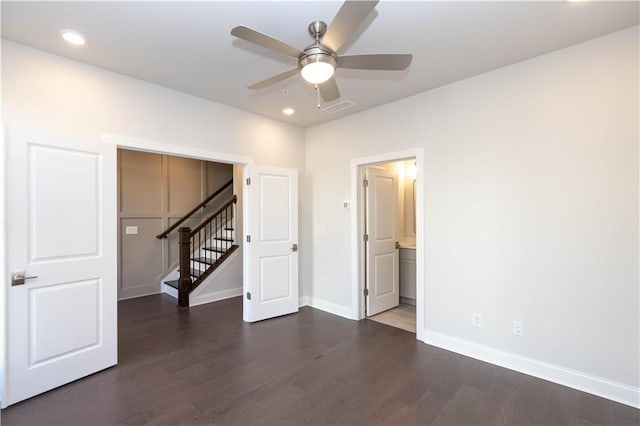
(518, 328)
(476, 319)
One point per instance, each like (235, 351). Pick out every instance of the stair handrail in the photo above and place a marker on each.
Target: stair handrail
(209, 218)
(194, 210)
(187, 245)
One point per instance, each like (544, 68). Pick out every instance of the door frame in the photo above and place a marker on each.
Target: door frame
(154, 147)
(357, 227)
(4, 273)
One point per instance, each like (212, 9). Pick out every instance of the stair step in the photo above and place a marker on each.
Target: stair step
(223, 239)
(217, 250)
(205, 260)
(228, 229)
(173, 283)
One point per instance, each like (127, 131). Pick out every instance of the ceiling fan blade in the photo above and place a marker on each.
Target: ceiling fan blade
(256, 37)
(275, 79)
(349, 17)
(329, 90)
(383, 62)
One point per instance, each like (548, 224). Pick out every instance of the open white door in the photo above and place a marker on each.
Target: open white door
(382, 253)
(61, 319)
(271, 243)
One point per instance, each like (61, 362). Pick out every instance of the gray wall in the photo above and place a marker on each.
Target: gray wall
(154, 191)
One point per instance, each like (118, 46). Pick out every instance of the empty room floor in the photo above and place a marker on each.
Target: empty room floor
(402, 316)
(204, 365)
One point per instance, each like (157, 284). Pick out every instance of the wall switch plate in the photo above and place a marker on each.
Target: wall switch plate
(131, 230)
(346, 204)
(518, 328)
(476, 319)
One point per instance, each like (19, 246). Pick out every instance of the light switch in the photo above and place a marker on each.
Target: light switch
(131, 230)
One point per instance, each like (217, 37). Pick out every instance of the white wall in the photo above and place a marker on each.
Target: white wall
(531, 183)
(68, 97)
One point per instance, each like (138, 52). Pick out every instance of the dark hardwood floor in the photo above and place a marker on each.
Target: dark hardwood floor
(205, 366)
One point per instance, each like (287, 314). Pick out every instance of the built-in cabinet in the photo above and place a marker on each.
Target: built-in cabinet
(408, 275)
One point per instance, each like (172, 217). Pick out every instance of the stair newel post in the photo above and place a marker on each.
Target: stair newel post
(184, 285)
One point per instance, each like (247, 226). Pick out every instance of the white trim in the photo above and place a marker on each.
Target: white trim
(174, 149)
(215, 296)
(4, 314)
(619, 392)
(357, 305)
(167, 289)
(141, 291)
(332, 308)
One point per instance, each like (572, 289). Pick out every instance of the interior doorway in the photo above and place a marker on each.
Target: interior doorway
(388, 200)
(387, 239)
(157, 193)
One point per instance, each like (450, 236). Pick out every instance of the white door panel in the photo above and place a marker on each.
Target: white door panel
(271, 272)
(61, 325)
(382, 254)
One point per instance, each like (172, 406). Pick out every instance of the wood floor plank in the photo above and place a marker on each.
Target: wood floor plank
(594, 410)
(204, 365)
(530, 403)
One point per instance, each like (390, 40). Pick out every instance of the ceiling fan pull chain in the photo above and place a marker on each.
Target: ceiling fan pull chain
(317, 95)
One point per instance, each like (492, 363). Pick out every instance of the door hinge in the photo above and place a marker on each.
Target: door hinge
(365, 182)
(248, 238)
(365, 237)
(366, 291)
(248, 295)
(248, 181)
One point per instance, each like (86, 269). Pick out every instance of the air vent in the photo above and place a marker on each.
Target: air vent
(332, 109)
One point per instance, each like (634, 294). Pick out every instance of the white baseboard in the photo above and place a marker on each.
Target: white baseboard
(132, 293)
(620, 392)
(214, 296)
(332, 308)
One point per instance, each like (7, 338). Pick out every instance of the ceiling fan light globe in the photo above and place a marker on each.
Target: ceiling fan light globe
(317, 72)
(317, 68)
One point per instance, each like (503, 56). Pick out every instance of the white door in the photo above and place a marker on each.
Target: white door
(61, 209)
(382, 253)
(271, 243)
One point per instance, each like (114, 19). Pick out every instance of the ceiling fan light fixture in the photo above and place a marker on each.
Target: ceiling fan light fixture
(317, 68)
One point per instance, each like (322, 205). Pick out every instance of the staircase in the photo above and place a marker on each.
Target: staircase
(202, 249)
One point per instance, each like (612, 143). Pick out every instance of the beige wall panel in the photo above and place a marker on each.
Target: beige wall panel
(185, 183)
(141, 256)
(140, 182)
(217, 174)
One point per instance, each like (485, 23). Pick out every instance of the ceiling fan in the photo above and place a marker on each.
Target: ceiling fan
(318, 61)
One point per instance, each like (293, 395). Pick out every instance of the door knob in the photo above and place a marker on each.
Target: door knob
(18, 278)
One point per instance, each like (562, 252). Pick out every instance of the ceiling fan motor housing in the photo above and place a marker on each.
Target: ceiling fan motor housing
(316, 52)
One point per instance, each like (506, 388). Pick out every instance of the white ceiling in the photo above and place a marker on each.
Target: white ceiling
(188, 46)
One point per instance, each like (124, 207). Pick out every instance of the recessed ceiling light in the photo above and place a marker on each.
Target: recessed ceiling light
(73, 37)
(288, 111)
